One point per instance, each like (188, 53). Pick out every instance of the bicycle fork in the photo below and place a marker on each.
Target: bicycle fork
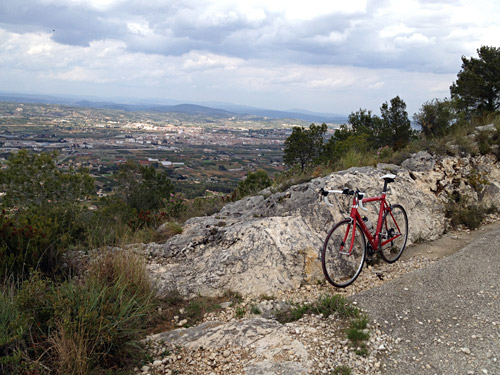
(342, 245)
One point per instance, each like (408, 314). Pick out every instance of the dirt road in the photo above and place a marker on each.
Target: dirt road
(445, 317)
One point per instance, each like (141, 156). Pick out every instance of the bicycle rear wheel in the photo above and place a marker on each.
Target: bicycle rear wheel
(394, 229)
(343, 254)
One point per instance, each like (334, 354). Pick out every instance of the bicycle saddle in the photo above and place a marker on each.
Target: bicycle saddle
(388, 177)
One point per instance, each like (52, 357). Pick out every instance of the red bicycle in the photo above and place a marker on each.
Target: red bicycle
(351, 240)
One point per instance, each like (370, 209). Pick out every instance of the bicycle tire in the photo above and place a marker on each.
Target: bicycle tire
(394, 222)
(341, 266)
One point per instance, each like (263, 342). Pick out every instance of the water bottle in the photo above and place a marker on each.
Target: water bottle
(368, 223)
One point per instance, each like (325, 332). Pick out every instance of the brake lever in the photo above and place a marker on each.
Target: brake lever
(360, 201)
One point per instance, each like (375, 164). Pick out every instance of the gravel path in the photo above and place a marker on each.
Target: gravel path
(445, 318)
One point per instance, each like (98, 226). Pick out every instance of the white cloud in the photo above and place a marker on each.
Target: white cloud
(326, 54)
(140, 28)
(198, 60)
(80, 74)
(292, 9)
(100, 5)
(416, 39)
(307, 10)
(395, 30)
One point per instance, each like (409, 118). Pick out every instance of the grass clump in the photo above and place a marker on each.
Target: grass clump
(239, 312)
(357, 334)
(254, 309)
(235, 297)
(325, 305)
(335, 304)
(265, 297)
(198, 307)
(77, 326)
(167, 230)
(12, 330)
(461, 212)
(342, 370)
(100, 321)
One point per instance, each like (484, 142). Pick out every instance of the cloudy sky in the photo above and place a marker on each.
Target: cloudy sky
(319, 55)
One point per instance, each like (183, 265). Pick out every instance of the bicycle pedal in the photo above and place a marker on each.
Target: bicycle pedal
(344, 253)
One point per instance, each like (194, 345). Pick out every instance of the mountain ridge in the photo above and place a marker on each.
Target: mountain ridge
(222, 110)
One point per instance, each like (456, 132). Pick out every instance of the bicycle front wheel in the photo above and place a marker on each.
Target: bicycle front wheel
(343, 254)
(394, 233)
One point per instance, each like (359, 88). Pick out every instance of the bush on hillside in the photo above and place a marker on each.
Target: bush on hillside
(460, 211)
(253, 183)
(35, 238)
(77, 327)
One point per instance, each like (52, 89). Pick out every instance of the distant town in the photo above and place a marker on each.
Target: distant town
(201, 152)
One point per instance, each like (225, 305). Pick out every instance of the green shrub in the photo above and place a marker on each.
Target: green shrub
(384, 153)
(357, 335)
(201, 206)
(98, 322)
(235, 297)
(326, 305)
(198, 307)
(12, 331)
(360, 323)
(143, 188)
(168, 230)
(97, 325)
(239, 312)
(174, 205)
(253, 183)
(484, 141)
(461, 212)
(78, 327)
(35, 238)
(108, 224)
(32, 179)
(489, 141)
(466, 146)
(362, 350)
(342, 370)
(477, 180)
(434, 117)
(293, 314)
(291, 177)
(254, 309)
(335, 304)
(173, 298)
(353, 158)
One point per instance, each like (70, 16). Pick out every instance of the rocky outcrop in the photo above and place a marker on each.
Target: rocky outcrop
(257, 346)
(270, 340)
(272, 241)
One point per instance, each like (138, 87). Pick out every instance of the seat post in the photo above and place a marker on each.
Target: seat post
(385, 187)
(388, 178)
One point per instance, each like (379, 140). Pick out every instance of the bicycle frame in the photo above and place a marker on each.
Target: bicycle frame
(374, 241)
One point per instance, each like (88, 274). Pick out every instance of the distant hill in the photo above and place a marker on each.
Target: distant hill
(290, 114)
(219, 110)
(33, 98)
(194, 109)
